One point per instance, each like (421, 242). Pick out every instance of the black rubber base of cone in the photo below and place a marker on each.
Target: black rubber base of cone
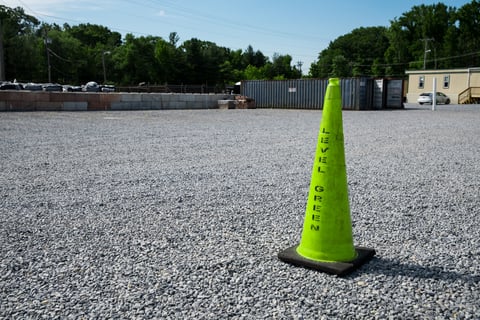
(290, 255)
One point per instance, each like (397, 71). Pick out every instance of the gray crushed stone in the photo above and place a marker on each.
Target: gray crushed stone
(181, 215)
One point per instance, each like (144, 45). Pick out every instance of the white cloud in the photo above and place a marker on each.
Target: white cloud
(161, 13)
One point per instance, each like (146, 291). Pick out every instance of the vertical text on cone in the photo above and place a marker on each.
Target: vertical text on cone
(321, 164)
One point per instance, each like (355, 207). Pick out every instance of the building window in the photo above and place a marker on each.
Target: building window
(446, 82)
(421, 82)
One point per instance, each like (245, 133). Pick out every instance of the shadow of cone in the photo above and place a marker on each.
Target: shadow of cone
(327, 241)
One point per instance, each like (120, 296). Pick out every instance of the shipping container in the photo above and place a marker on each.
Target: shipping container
(361, 93)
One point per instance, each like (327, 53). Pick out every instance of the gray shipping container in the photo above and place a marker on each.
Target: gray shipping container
(357, 93)
(299, 94)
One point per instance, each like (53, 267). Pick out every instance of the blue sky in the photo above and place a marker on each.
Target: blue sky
(299, 28)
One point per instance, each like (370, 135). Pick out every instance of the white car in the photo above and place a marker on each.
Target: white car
(426, 97)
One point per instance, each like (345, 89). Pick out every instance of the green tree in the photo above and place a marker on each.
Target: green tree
(254, 73)
(248, 64)
(92, 35)
(340, 67)
(93, 45)
(203, 62)
(397, 54)
(254, 58)
(359, 48)
(18, 46)
(378, 69)
(281, 67)
(173, 39)
(169, 61)
(418, 37)
(135, 62)
(233, 69)
(468, 19)
(68, 58)
(322, 68)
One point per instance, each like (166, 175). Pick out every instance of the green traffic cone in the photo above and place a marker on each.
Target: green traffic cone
(327, 241)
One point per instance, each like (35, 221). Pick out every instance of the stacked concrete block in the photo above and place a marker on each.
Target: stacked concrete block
(92, 101)
(16, 101)
(75, 106)
(155, 101)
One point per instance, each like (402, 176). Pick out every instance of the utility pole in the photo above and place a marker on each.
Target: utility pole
(2, 56)
(47, 42)
(299, 66)
(426, 50)
(103, 64)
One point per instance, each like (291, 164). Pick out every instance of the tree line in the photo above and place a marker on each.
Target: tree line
(81, 53)
(427, 36)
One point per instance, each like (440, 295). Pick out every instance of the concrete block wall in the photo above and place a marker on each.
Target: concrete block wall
(90, 101)
(75, 106)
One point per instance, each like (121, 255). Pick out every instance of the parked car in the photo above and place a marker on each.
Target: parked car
(70, 88)
(107, 88)
(10, 86)
(52, 87)
(33, 86)
(426, 97)
(91, 86)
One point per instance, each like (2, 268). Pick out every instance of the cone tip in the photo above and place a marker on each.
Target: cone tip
(334, 81)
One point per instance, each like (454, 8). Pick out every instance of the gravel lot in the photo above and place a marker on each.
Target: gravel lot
(181, 215)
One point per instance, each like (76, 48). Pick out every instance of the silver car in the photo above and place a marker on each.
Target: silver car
(91, 86)
(426, 97)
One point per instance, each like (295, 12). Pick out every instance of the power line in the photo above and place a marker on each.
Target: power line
(58, 56)
(189, 14)
(418, 61)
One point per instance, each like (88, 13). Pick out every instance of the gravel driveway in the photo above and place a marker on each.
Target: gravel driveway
(181, 215)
